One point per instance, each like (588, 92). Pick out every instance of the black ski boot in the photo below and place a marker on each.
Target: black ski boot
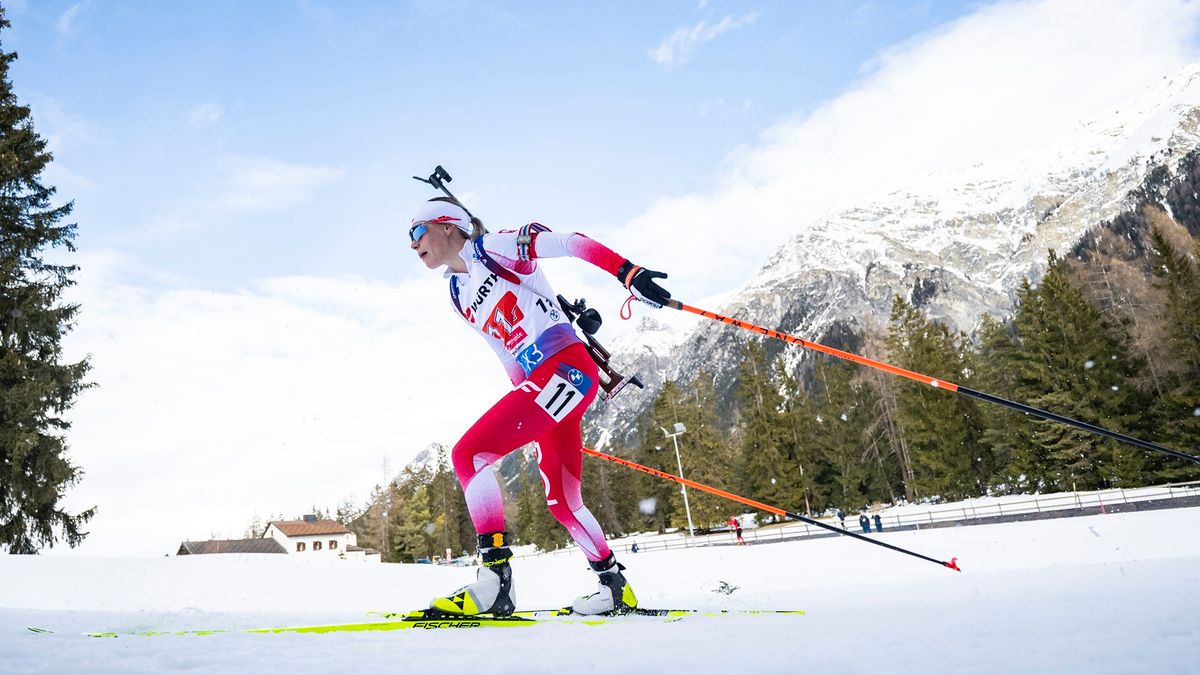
(614, 595)
(492, 593)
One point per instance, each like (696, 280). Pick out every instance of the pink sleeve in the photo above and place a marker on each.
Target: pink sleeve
(508, 250)
(547, 244)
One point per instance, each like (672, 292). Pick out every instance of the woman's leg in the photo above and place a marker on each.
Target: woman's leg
(511, 423)
(560, 458)
(553, 398)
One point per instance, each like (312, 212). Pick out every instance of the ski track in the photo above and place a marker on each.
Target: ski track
(1112, 593)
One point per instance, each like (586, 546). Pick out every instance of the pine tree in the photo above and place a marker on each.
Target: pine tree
(840, 415)
(797, 439)
(410, 521)
(1072, 362)
(368, 525)
(1020, 464)
(1177, 412)
(704, 450)
(942, 431)
(659, 505)
(767, 473)
(36, 387)
(452, 528)
(608, 492)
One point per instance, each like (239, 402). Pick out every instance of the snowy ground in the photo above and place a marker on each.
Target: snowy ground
(1113, 593)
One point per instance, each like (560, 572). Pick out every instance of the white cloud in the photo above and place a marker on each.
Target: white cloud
(213, 406)
(260, 184)
(995, 87)
(65, 25)
(59, 127)
(679, 47)
(206, 114)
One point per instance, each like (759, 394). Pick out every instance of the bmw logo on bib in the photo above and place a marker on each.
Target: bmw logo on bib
(575, 376)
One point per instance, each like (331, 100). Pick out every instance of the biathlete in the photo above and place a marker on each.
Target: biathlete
(497, 287)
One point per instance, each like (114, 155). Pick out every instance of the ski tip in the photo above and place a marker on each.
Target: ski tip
(35, 629)
(953, 564)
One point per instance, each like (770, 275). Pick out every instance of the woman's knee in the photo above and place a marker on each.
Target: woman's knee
(467, 461)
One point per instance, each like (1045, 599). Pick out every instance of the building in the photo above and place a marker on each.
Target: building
(310, 536)
(258, 545)
(318, 537)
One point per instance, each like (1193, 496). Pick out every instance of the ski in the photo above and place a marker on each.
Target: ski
(431, 620)
(566, 612)
(417, 621)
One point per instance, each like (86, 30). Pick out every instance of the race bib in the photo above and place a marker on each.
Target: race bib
(559, 397)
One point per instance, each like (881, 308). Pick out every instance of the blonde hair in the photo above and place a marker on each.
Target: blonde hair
(477, 228)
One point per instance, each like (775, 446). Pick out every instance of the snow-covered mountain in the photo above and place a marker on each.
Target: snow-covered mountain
(956, 245)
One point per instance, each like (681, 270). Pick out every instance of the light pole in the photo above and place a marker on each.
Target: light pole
(679, 429)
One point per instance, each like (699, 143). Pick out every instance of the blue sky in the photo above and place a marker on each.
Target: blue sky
(261, 337)
(546, 111)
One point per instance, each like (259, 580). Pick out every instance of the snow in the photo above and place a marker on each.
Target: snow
(1112, 593)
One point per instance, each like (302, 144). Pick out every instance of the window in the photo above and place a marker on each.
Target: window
(300, 547)
(332, 544)
(316, 546)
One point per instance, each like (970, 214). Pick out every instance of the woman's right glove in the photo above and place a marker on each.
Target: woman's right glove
(640, 282)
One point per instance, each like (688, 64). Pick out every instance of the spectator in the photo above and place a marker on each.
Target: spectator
(841, 516)
(737, 530)
(864, 523)
(878, 523)
(634, 548)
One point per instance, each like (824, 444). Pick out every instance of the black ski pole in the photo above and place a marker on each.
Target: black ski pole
(953, 564)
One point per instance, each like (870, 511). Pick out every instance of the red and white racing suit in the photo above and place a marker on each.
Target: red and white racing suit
(505, 297)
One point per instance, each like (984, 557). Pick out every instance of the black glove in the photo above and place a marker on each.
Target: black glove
(640, 282)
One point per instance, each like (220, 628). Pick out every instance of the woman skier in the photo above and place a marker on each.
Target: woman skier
(497, 287)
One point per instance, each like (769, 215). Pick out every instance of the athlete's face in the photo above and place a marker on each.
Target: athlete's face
(431, 242)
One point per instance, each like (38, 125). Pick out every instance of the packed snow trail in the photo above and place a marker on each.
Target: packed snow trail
(1098, 594)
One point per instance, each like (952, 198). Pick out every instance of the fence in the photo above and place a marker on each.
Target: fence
(913, 516)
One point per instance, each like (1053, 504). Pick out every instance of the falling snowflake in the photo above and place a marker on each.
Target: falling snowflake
(648, 506)
(1115, 387)
(1196, 412)
(1089, 364)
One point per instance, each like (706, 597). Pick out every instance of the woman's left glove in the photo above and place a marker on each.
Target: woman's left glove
(640, 282)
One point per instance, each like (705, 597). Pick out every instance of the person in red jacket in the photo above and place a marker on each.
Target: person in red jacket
(737, 529)
(498, 289)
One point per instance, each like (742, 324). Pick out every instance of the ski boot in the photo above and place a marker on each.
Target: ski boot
(492, 593)
(614, 595)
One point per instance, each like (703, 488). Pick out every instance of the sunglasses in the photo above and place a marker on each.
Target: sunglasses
(417, 231)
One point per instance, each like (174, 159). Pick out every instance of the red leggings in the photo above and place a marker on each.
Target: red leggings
(546, 408)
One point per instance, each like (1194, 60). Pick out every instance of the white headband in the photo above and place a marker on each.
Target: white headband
(443, 212)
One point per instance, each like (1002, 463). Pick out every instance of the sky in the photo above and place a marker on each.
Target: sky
(263, 341)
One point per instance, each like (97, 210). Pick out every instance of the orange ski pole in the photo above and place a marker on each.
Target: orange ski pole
(934, 382)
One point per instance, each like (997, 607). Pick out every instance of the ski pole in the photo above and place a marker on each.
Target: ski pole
(934, 382)
(953, 564)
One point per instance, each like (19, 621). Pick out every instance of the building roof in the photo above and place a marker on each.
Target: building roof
(230, 546)
(302, 528)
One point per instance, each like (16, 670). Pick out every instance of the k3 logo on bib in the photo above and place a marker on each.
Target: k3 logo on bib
(563, 393)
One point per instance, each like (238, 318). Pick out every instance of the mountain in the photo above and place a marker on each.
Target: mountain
(955, 245)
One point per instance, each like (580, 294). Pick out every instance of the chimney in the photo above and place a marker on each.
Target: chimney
(310, 518)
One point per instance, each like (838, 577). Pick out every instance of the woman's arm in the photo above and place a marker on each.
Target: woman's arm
(537, 241)
(519, 249)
